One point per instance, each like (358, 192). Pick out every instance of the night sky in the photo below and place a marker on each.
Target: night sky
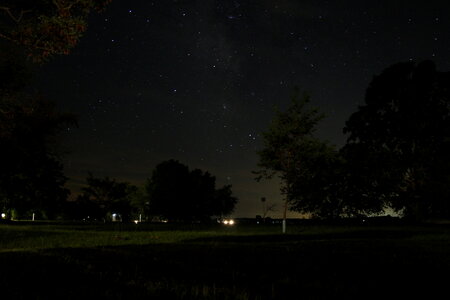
(197, 81)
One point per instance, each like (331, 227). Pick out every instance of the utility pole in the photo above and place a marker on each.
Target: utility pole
(284, 215)
(287, 177)
(263, 200)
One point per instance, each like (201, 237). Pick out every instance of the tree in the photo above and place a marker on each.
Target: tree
(109, 196)
(178, 194)
(292, 152)
(224, 201)
(317, 186)
(168, 189)
(43, 28)
(399, 141)
(267, 208)
(31, 176)
(139, 204)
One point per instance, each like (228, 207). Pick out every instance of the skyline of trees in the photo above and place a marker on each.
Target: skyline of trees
(172, 192)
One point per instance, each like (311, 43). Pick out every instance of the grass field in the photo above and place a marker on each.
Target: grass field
(163, 261)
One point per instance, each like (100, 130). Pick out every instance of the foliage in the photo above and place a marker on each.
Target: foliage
(399, 141)
(167, 190)
(15, 72)
(139, 203)
(31, 176)
(44, 28)
(104, 196)
(307, 167)
(317, 185)
(224, 201)
(179, 194)
(288, 133)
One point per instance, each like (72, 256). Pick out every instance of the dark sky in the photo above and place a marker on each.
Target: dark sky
(197, 81)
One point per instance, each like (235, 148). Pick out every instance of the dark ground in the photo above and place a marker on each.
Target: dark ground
(348, 262)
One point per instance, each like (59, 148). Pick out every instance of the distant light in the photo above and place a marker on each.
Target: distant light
(228, 222)
(114, 215)
(136, 221)
(3, 215)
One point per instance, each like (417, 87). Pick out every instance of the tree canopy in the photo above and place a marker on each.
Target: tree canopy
(176, 193)
(399, 141)
(44, 28)
(305, 164)
(102, 197)
(31, 176)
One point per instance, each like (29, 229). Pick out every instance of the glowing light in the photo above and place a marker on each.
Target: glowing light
(136, 221)
(228, 222)
(3, 215)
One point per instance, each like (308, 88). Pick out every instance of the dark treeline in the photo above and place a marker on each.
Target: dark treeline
(173, 192)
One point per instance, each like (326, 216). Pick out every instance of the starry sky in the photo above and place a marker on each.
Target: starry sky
(197, 81)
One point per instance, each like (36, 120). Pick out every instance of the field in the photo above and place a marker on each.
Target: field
(164, 261)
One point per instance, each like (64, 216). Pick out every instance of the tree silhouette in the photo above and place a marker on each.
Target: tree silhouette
(224, 201)
(178, 194)
(31, 176)
(304, 164)
(109, 196)
(267, 207)
(399, 141)
(168, 189)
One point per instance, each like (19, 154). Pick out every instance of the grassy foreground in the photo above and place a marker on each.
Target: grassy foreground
(162, 261)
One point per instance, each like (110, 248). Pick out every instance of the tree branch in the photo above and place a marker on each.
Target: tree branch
(59, 5)
(15, 19)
